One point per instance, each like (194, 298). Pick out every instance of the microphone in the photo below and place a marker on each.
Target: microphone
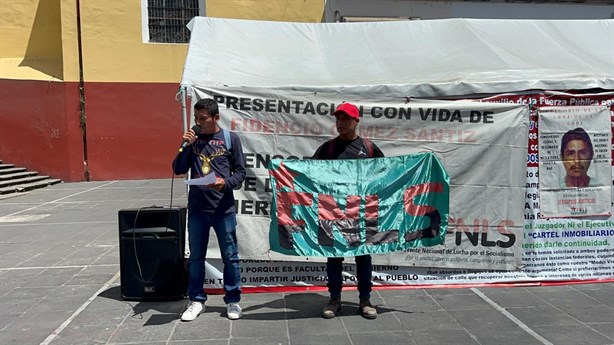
(185, 144)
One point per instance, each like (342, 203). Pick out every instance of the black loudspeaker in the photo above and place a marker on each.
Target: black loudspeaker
(151, 253)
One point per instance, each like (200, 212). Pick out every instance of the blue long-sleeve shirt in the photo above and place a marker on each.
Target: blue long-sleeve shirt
(229, 165)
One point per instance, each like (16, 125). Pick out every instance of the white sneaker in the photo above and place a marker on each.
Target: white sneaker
(233, 310)
(194, 309)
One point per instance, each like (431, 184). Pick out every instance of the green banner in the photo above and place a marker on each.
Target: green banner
(336, 208)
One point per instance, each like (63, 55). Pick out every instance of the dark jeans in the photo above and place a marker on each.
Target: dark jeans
(334, 268)
(225, 226)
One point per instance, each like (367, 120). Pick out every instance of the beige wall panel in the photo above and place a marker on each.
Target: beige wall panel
(41, 69)
(113, 50)
(30, 39)
(307, 11)
(70, 40)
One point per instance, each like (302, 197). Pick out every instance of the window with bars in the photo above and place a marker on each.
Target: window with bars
(167, 20)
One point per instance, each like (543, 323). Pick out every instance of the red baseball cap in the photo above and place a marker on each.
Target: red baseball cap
(349, 109)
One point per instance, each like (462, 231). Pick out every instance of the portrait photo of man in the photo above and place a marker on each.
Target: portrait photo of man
(576, 155)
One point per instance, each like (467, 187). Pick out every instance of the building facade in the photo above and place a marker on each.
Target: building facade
(88, 88)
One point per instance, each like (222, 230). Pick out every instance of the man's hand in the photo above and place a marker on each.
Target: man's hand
(189, 136)
(218, 185)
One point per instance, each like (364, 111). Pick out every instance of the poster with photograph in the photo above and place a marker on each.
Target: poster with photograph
(575, 177)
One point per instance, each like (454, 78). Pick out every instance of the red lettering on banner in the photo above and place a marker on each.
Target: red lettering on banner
(480, 225)
(413, 191)
(284, 176)
(284, 206)
(330, 214)
(372, 207)
(502, 226)
(328, 209)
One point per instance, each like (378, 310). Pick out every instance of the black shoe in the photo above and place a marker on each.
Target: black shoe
(367, 310)
(331, 309)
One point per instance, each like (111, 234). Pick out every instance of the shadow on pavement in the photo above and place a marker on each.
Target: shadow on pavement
(155, 312)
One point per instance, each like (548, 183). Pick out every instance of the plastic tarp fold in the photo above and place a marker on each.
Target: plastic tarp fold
(434, 58)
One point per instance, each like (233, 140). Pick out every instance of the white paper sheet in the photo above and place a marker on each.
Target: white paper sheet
(202, 181)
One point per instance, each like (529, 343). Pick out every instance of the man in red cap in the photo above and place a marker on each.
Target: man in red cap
(348, 145)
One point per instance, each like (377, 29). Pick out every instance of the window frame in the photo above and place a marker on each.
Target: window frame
(145, 36)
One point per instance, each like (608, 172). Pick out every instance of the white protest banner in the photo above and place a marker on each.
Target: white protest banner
(482, 146)
(552, 250)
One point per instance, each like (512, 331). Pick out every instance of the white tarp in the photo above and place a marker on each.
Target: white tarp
(553, 249)
(434, 58)
(438, 59)
(482, 146)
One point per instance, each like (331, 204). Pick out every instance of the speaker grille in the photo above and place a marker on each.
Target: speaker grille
(152, 242)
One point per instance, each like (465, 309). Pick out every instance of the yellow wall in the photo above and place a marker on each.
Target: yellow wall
(306, 11)
(113, 48)
(70, 40)
(39, 38)
(30, 40)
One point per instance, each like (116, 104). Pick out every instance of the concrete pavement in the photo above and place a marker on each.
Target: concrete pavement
(59, 284)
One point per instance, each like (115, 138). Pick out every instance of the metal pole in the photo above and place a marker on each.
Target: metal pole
(184, 115)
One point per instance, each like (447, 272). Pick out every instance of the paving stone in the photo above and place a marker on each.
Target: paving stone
(53, 277)
(99, 317)
(200, 329)
(90, 279)
(409, 304)
(81, 230)
(258, 329)
(388, 338)
(604, 328)
(7, 318)
(592, 313)
(139, 343)
(55, 304)
(488, 319)
(573, 334)
(18, 305)
(29, 293)
(566, 298)
(319, 339)
(35, 318)
(542, 316)
(461, 302)
(316, 325)
(201, 342)
(603, 296)
(109, 258)
(260, 341)
(506, 336)
(263, 314)
(133, 332)
(385, 322)
(84, 334)
(21, 273)
(442, 337)
(24, 336)
(111, 303)
(513, 298)
(10, 284)
(74, 292)
(434, 322)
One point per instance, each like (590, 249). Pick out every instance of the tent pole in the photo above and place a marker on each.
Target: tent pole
(184, 115)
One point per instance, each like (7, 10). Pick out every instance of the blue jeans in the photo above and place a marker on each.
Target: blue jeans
(364, 268)
(225, 226)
